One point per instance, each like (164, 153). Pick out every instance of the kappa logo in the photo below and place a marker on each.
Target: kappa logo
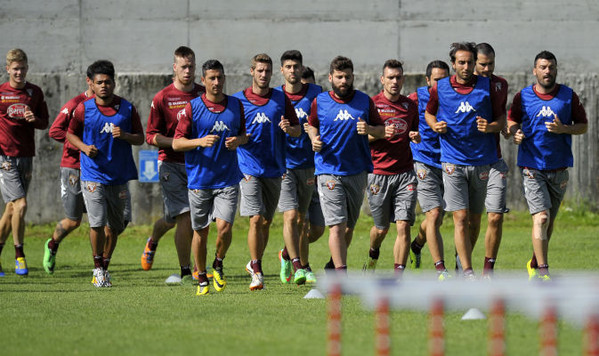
(330, 184)
(343, 115)
(375, 189)
(219, 126)
(91, 187)
(498, 86)
(107, 128)
(405, 105)
(300, 113)
(546, 112)
(152, 106)
(261, 118)
(421, 173)
(449, 168)
(65, 111)
(181, 114)
(165, 177)
(464, 107)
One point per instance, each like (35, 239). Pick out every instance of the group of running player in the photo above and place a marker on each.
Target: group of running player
(310, 153)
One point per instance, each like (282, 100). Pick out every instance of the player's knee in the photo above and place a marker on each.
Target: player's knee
(495, 219)
(19, 206)
(541, 218)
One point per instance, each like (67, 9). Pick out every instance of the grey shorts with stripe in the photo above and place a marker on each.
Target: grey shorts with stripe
(544, 190)
(70, 193)
(465, 187)
(430, 186)
(259, 196)
(341, 197)
(297, 187)
(173, 183)
(105, 204)
(206, 205)
(15, 177)
(392, 198)
(495, 201)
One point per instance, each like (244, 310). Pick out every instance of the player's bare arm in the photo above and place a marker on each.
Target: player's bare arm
(436, 126)
(415, 136)
(515, 131)
(89, 150)
(490, 127)
(557, 127)
(293, 131)
(233, 142)
(162, 141)
(314, 134)
(136, 139)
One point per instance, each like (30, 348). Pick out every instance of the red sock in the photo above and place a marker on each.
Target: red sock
(533, 262)
(106, 262)
(285, 254)
(296, 264)
(98, 263)
(440, 265)
(53, 246)
(489, 264)
(256, 266)
(398, 269)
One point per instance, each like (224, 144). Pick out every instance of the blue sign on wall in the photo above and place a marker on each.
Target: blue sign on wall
(148, 166)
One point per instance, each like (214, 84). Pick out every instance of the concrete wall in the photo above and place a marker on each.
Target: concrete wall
(62, 37)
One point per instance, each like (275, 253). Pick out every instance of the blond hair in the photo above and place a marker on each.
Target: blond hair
(16, 55)
(261, 58)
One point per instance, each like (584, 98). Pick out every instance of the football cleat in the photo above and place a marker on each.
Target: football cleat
(543, 277)
(370, 264)
(98, 277)
(415, 259)
(443, 275)
(218, 280)
(310, 277)
(195, 273)
(329, 265)
(257, 281)
(532, 272)
(107, 279)
(285, 269)
(203, 289)
(299, 277)
(249, 269)
(21, 266)
(147, 257)
(49, 258)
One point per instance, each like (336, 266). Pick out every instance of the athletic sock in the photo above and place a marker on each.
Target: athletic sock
(374, 253)
(415, 246)
(533, 262)
(543, 270)
(106, 262)
(19, 251)
(53, 246)
(186, 271)
(256, 266)
(202, 278)
(285, 254)
(341, 269)
(307, 267)
(98, 262)
(398, 268)
(153, 244)
(330, 264)
(440, 266)
(296, 264)
(489, 264)
(217, 264)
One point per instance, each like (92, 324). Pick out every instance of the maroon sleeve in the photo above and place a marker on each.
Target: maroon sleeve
(413, 113)
(136, 127)
(414, 97)
(77, 120)
(313, 118)
(375, 118)
(184, 126)
(515, 113)
(58, 130)
(579, 115)
(290, 112)
(41, 112)
(155, 123)
(242, 129)
(498, 100)
(433, 102)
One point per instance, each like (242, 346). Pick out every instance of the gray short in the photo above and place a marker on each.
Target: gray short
(314, 214)
(259, 196)
(209, 204)
(341, 197)
(70, 193)
(544, 190)
(15, 176)
(296, 190)
(173, 182)
(430, 186)
(105, 204)
(497, 188)
(465, 187)
(392, 198)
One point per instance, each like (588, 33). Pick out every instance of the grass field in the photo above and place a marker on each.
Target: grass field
(65, 314)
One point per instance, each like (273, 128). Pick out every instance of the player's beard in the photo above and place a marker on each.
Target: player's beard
(343, 93)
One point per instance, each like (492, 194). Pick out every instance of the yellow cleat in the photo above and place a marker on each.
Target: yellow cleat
(532, 272)
(218, 280)
(203, 289)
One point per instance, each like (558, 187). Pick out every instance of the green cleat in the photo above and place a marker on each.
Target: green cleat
(286, 269)
(415, 259)
(49, 258)
(532, 272)
(300, 277)
(443, 275)
(310, 277)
